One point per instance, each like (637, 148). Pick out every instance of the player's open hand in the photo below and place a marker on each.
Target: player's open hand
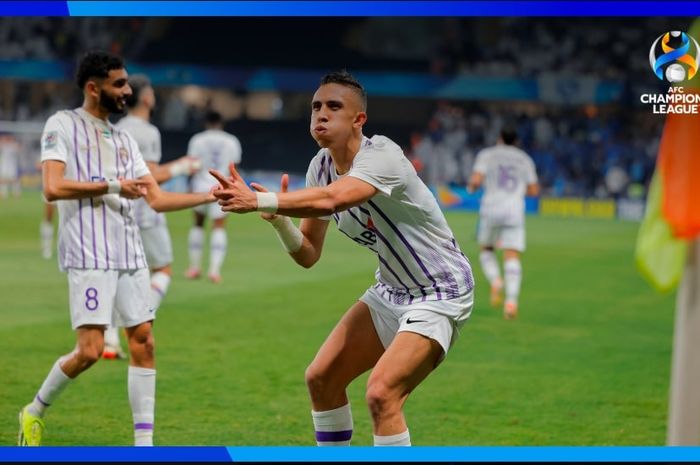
(234, 194)
(284, 186)
(133, 188)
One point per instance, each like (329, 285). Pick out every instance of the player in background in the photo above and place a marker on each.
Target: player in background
(152, 225)
(507, 175)
(46, 230)
(403, 326)
(215, 148)
(95, 171)
(9, 167)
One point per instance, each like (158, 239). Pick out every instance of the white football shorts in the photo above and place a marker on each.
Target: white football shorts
(110, 297)
(439, 320)
(502, 236)
(157, 245)
(210, 210)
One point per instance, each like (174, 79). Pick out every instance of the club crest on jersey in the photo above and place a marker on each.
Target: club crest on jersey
(123, 154)
(50, 139)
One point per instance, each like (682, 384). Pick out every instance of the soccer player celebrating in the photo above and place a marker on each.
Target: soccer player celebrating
(153, 226)
(507, 175)
(95, 172)
(215, 148)
(403, 326)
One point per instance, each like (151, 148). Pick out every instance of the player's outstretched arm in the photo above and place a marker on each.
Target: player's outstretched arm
(303, 244)
(182, 166)
(163, 201)
(235, 196)
(57, 187)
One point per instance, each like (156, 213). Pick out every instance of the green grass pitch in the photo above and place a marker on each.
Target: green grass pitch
(586, 363)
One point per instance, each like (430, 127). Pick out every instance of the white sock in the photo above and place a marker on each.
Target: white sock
(401, 439)
(218, 250)
(159, 287)
(53, 385)
(46, 233)
(333, 427)
(112, 336)
(489, 264)
(513, 271)
(142, 398)
(195, 244)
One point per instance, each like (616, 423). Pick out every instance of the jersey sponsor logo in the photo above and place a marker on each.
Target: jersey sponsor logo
(50, 139)
(107, 134)
(410, 321)
(367, 238)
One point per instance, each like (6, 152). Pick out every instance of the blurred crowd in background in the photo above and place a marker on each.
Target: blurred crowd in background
(581, 149)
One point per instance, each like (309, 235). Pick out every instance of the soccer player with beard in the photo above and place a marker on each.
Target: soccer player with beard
(95, 172)
(153, 225)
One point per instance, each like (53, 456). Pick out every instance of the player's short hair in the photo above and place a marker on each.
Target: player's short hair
(213, 117)
(348, 80)
(509, 134)
(96, 64)
(137, 82)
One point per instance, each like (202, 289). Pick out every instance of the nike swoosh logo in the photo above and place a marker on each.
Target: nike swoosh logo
(409, 321)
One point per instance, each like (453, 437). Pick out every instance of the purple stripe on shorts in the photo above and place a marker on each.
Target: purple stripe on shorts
(408, 246)
(147, 426)
(80, 201)
(333, 436)
(41, 401)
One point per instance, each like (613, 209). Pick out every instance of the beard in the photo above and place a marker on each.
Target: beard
(111, 104)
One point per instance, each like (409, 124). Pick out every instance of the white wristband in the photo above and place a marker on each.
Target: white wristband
(290, 236)
(267, 202)
(114, 186)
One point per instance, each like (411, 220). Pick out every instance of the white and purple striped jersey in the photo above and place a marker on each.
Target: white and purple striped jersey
(419, 258)
(147, 137)
(98, 232)
(507, 172)
(215, 149)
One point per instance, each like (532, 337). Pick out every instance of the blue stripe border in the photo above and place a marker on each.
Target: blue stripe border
(465, 454)
(312, 8)
(352, 454)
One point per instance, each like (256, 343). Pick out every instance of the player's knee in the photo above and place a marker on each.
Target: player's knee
(89, 355)
(142, 343)
(144, 346)
(316, 379)
(380, 398)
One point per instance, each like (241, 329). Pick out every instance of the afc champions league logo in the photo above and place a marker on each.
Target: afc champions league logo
(676, 50)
